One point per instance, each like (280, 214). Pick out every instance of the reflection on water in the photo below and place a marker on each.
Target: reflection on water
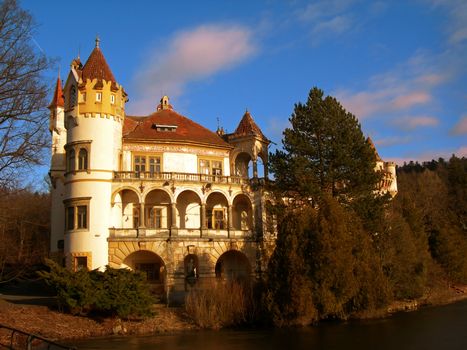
(432, 328)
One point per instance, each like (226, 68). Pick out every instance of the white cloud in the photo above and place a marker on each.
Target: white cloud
(457, 24)
(461, 126)
(190, 55)
(392, 141)
(413, 122)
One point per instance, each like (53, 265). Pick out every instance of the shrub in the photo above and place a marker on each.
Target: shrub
(114, 292)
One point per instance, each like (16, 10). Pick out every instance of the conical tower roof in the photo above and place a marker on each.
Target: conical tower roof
(247, 127)
(372, 145)
(96, 66)
(57, 99)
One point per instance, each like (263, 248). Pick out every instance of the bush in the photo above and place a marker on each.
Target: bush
(114, 292)
(220, 305)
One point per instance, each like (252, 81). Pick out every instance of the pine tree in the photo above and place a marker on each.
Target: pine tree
(325, 151)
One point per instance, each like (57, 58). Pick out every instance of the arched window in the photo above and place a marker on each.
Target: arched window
(71, 160)
(83, 159)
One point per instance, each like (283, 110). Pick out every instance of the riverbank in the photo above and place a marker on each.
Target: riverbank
(51, 324)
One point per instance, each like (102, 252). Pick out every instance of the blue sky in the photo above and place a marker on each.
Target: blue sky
(399, 66)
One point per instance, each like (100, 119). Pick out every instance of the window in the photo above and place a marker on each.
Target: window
(78, 156)
(216, 219)
(112, 99)
(82, 97)
(156, 217)
(210, 167)
(83, 159)
(77, 214)
(147, 163)
(140, 164)
(152, 271)
(81, 263)
(71, 160)
(72, 97)
(98, 96)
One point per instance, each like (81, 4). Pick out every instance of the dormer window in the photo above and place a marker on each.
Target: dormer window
(112, 99)
(164, 127)
(98, 96)
(82, 97)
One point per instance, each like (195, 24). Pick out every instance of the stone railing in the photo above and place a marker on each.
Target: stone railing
(183, 177)
(144, 233)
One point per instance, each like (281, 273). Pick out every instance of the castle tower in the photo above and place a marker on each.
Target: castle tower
(94, 115)
(57, 166)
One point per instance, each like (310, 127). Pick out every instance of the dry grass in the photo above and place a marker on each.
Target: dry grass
(221, 304)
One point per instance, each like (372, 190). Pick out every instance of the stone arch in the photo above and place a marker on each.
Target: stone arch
(150, 264)
(242, 164)
(217, 206)
(242, 211)
(125, 208)
(159, 188)
(114, 193)
(157, 209)
(188, 210)
(233, 265)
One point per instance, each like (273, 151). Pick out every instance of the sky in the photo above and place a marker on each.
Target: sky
(399, 66)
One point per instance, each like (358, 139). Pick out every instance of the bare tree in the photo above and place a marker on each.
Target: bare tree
(23, 93)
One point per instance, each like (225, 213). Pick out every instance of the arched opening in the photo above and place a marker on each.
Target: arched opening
(243, 164)
(233, 266)
(242, 213)
(126, 209)
(191, 269)
(157, 211)
(216, 211)
(188, 207)
(151, 265)
(71, 160)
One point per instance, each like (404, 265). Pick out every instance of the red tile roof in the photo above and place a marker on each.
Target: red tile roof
(145, 128)
(96, 67)
(57, 99)
(247, 126)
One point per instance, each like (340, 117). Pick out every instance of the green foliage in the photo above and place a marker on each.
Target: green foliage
(288, 297)
(437, 190)
(325, 151)
(114, 292)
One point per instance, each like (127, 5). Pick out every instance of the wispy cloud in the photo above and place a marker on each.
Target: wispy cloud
(409, 123)
(398, 90)
(327, 18)
(392, 140)
(190, 55)
(461, 127)
(457, 26)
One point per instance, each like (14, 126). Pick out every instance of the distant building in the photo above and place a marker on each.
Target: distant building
(158, 193)
(388, 169)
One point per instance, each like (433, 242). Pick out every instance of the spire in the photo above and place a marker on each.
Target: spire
(372, 145)
(57, 99)
(247, 126)
(96, 66)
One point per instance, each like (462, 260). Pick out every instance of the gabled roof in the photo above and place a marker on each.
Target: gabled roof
(96, 67)
(372, 145)
(181, 130)
(57, 99)
(247, 127)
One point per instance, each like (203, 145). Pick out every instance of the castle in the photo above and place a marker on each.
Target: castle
(158, 193)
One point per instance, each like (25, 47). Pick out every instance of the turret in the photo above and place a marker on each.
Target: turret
(57, 128)
(94, 116)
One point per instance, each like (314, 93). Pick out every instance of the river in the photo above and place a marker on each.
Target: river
(443, 327)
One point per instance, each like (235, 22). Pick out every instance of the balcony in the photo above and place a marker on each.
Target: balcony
(182, 177)
(147, 233)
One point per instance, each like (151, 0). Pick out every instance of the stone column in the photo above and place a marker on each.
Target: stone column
(255, 169)
(174, 216)
(141, 216)
(203, 218)
(230, 219)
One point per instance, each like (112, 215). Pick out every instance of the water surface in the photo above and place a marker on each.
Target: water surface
(442, 327)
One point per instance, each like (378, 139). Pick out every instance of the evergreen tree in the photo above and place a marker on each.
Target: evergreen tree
(325, 151)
